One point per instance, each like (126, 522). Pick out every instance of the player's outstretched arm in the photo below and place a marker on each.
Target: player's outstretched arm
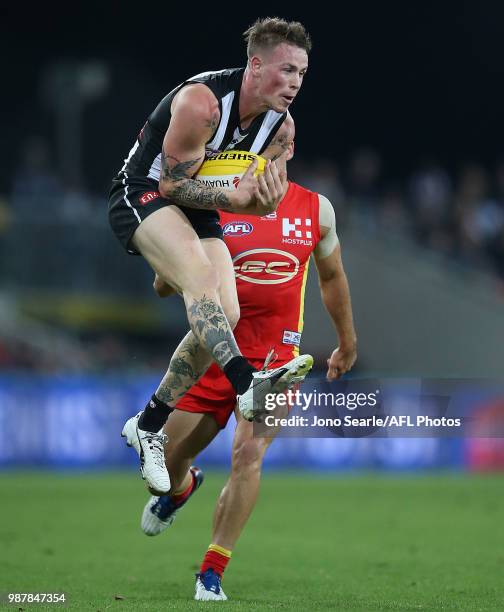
(335, 293)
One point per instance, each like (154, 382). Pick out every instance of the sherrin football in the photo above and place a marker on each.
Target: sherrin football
(225, 169)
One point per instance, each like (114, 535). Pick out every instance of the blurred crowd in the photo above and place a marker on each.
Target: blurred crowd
(98, 353)
(457, 215)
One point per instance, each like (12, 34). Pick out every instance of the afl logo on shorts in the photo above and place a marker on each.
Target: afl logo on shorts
(266, 266)
(238, 228)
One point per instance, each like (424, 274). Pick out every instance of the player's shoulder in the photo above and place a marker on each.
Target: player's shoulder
(325, 203)
(321, 200)
(196, 100)
(288, 123)
(227, 77)
(300, 200)
(203, 91)
(316, 203)
(299, 191)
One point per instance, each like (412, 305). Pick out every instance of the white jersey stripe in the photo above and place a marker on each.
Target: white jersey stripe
(269, 122)
(227, 102)
(155, 169)
(205, 74)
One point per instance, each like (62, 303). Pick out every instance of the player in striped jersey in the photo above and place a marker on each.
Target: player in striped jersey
(271, 256)
(159, 211)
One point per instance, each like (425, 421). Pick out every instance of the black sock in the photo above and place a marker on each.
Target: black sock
(239, 373)
(154, 416)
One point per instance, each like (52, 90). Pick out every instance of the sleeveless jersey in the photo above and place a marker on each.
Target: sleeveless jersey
(271, 256)
(144, 159)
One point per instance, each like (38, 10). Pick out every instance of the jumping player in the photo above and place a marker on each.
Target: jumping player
(159, 211)
(271, 256)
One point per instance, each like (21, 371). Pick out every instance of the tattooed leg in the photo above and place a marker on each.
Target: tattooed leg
(211, 327)
(190, 360)
(203, 273)
(188, 363)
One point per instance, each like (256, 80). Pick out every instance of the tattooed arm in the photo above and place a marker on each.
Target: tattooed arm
(281, 140)
(195, 117)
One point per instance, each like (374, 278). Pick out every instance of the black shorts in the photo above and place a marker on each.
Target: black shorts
(132, 200)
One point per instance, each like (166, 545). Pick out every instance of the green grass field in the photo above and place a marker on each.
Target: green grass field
(314, 543)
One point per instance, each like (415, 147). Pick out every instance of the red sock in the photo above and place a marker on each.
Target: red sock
(217, 558)
(180, 498)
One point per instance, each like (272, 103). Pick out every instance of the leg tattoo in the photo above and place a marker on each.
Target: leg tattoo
(188, 363)
(211, 327)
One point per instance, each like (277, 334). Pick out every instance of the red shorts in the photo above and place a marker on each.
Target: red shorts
(213, 394)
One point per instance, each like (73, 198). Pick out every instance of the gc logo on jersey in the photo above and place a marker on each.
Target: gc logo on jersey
(238, 228)
(266, 266)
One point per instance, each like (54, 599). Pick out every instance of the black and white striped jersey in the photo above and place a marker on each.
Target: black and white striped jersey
(144, 159)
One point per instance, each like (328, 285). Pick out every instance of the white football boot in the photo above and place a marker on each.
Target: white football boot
(150, 449)
(208, 587)
(251, 403)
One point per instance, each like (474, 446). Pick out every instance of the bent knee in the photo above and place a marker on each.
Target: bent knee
(248, 456)
(162, 288)
(202, 280)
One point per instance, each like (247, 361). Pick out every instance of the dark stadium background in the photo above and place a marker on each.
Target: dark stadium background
(400, 96)
(414, 80)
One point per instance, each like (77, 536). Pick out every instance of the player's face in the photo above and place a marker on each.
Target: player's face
(281, 75)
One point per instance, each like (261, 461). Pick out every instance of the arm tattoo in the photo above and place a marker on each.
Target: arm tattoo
(187, 191)
(179, 170)
(282, 142)
(193, 194)
(213, 122)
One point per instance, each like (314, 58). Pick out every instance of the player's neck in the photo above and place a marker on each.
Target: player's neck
(285, 190)
(251, 104)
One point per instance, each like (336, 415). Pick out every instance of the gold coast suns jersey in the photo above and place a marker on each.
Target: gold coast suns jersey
(271, 256)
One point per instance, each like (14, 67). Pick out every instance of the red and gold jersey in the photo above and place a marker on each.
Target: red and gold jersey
(271, 256)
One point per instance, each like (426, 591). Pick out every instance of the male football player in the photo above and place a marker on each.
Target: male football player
(271, 256)
(158, 210)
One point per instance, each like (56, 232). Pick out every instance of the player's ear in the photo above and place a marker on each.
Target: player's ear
(290, 151)
(255, 64)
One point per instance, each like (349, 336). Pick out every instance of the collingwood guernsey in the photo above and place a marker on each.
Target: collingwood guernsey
(144, 159)
(135, 189)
